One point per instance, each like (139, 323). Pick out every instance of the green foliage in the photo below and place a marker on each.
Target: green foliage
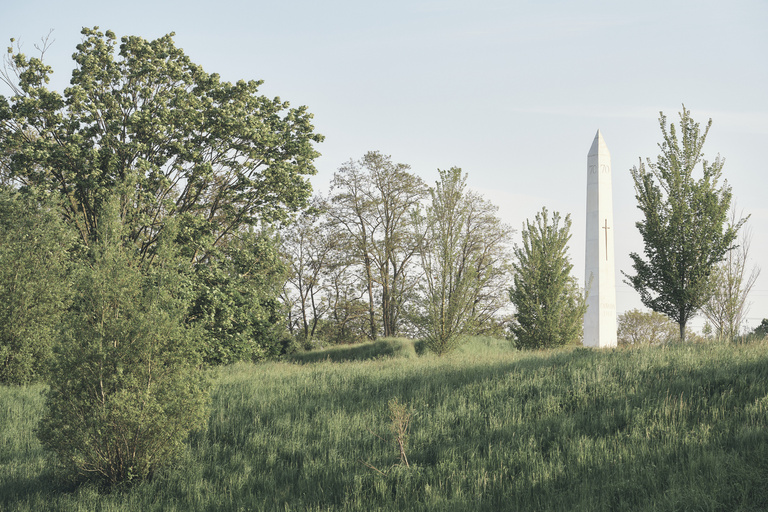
(382, 348)
(636, 327)
(371, 209)
(679, 427)
(549, 305)
(761, 331)
(125, 390)
(464, 262)
(142, 121)
(187, 154)
(33, 285)
(731, 284)
(684, 223)
(235, 304)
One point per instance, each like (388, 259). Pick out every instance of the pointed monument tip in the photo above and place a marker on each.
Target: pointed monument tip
(598, 145)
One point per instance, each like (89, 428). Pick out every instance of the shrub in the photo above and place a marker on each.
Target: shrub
(125, 390)
(385, 347)
(761, 331)
(636, 327)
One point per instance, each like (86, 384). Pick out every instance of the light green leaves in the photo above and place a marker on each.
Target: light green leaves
(684, 227)
(549, 305)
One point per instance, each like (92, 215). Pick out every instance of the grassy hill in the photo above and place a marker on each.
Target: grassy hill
(660, 428)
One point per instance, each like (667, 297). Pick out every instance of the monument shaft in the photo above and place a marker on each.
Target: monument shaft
(600, 319)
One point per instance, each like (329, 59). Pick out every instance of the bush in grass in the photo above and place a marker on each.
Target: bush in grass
(636, 327)
(382, 348)
(761, 331)
(125, 390)
(33, 285)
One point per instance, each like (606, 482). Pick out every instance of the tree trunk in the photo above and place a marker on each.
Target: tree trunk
(371, 309)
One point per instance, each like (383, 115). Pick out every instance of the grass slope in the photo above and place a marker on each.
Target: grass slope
(672, 428)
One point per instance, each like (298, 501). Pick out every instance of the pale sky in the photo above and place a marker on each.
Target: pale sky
(512, 92)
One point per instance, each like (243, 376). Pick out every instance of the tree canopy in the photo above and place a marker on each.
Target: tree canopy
(142, 121)
(684, 226)
(549, 305)
(464, 261)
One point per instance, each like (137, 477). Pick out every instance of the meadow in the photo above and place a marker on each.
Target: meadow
(678, 427)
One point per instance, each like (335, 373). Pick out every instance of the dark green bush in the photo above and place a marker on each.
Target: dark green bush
(126, 389)
(236, 303)
(385, 347)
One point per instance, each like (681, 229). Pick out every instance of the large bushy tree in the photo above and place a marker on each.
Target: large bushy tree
(183, 151)
(549, 306)
(684, 226)
(142, 121)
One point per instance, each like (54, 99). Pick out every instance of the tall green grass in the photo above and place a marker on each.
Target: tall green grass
(383, 348)
(660, 428)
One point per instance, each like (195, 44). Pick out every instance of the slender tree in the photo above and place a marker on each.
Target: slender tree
(549, 305)
(732, 281)
(307, 244)
(349, 212)
(684, 227)
(348, 319)
(463, 258)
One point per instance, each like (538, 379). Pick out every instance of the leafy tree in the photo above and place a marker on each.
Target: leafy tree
(348, 319)
(181, 149)
(34, 289)
(636, 327)
(125, 390)
(147, 124)
(235, 300)
(727, 307)
(684, 227)
(371, 203)
(761, 331)
(549, 305)
(464, 262)
(324, 292)
(307, 244)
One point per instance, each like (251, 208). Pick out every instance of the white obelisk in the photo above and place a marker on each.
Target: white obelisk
(600, 319)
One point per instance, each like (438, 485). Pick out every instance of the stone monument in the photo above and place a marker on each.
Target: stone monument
(600, 319)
